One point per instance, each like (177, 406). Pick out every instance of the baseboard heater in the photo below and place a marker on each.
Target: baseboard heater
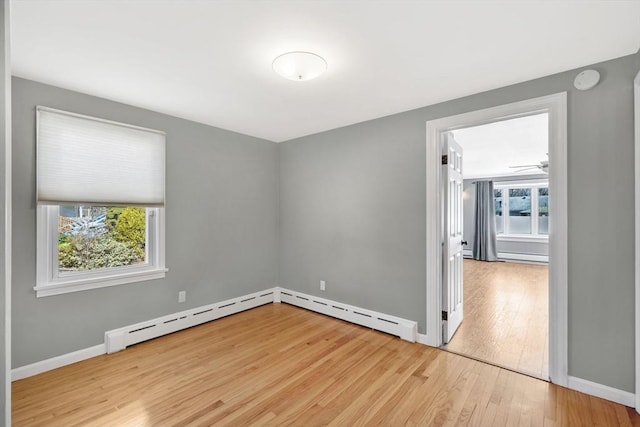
(403, 328)
(467, 253)
(119, 339)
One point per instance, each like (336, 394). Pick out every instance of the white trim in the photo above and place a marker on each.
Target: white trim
(540, 238)
(50, 282)
(421, 339)
(434, 235)
(57, 362)
(468, 253)
(523, 257)
(118, 339)
(636, 114)
(7, 211)
(533, 211)
(556, 106)
(599, 390)
(405, 329)
(98, 282)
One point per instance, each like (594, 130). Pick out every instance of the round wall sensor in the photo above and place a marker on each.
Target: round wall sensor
(586, 79)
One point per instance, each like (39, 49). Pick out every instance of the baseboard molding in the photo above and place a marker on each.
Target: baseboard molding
(422, 339)
(119, 339)
(523, 257)
(605, 392)
(468, 253)
(403, 328)
(57, 362)
(584, 386)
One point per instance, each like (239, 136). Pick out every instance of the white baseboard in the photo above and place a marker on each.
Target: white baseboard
(57, 362)
(605, 392)
(584, 386)
(468, 253)
(405, 329)
(422, 339)
(523, 257)
(119, 339)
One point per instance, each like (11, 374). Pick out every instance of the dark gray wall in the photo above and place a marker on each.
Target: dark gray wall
(353, 213)
(469, 202)
(4, 96)
(221, 219)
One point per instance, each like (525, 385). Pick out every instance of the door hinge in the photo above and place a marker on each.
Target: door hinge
(445, 159)
(444, 315)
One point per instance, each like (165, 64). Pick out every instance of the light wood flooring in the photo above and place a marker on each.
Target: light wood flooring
(505, 316)
(282, 365)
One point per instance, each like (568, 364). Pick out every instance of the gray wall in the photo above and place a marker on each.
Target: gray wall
(353, 213)
(4, 96)
(221, 218)
(469, 202)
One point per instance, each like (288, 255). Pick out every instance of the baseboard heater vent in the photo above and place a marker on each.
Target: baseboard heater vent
(403, 328)
(119, 339)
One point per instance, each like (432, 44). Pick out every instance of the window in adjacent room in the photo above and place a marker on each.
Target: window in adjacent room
(522, 210)
(100, 197)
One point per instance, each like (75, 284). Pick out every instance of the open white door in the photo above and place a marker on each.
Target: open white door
(452, 313)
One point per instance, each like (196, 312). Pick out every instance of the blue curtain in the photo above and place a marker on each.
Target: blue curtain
(484, 241)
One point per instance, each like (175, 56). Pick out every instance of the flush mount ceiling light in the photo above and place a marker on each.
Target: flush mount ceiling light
(299, 66)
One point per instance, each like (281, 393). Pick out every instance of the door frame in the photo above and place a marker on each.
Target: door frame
(636, 121)
(556, 106)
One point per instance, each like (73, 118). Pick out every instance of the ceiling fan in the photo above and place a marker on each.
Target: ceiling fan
(543, 166)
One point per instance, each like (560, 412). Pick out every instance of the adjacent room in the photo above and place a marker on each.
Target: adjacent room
(238, 213)
(506, 244)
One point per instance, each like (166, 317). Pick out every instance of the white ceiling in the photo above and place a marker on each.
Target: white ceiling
(210, 61)
(490, 150)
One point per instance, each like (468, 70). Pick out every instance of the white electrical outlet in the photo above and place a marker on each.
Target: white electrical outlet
(182, 296)
(323, 285)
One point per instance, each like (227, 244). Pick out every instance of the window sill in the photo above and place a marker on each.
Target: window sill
(523, 238)
(67, 285)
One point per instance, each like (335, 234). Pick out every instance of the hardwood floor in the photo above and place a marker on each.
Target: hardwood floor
(281, 365)
(505, 316)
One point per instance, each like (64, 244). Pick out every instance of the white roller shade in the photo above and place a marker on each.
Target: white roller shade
(85, 160)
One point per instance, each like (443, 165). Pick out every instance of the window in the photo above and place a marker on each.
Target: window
(522, 210)
(100, 203)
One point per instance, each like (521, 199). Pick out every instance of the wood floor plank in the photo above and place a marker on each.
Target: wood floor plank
(281, 365)
(505, 316)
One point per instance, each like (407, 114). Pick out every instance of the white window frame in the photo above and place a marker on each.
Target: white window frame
(534, 186)
(50, 282)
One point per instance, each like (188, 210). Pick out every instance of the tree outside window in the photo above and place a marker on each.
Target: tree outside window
(91, 238)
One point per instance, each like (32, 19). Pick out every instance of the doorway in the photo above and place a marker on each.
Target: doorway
(555, 107)
(504, 238)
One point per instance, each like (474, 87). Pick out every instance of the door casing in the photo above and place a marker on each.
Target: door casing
(556, 107)
(636, 118)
